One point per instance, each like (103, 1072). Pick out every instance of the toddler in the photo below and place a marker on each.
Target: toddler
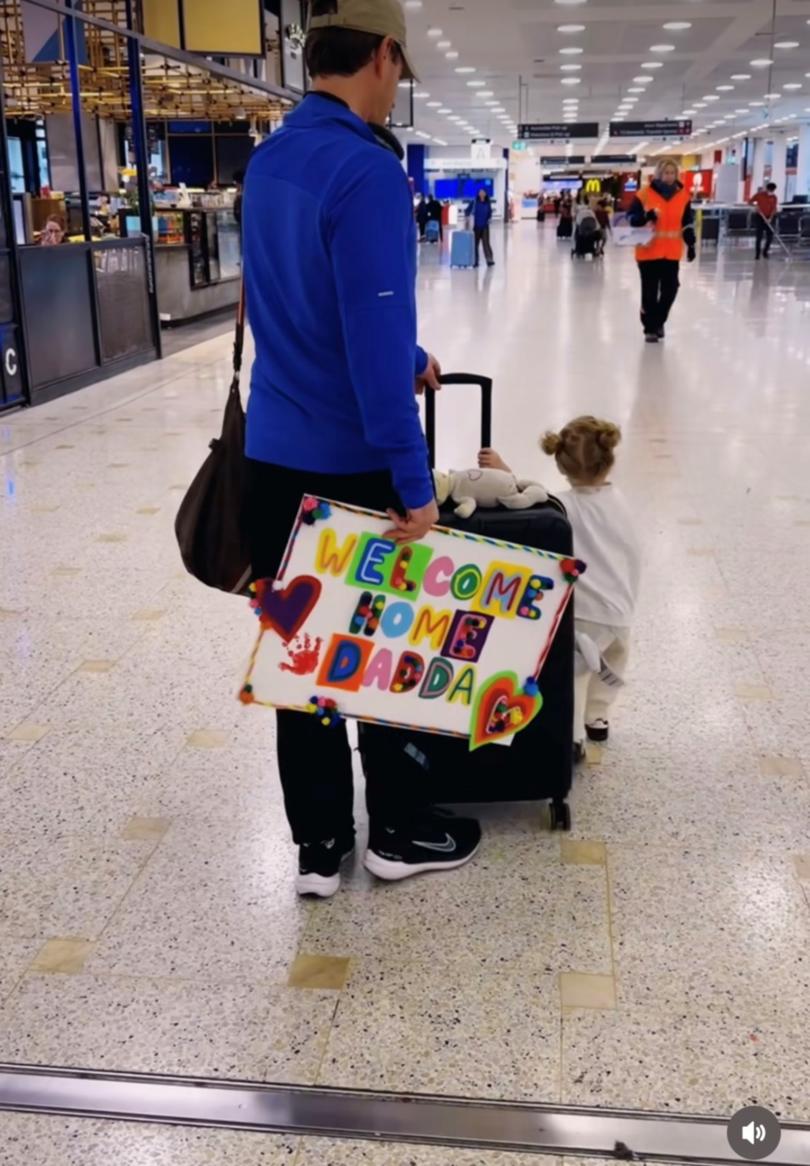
(604, 537)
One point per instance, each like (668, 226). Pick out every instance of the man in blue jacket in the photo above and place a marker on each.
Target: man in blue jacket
(330, 270)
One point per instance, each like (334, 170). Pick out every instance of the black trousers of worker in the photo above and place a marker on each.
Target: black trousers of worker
(659, 290)
(482, 236)
(315, 762)
(764, 230)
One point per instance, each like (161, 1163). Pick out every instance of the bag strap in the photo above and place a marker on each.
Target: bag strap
(239, 333)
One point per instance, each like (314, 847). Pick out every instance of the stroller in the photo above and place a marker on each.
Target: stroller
(588, 239)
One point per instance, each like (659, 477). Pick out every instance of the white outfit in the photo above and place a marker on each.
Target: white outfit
(605, 596)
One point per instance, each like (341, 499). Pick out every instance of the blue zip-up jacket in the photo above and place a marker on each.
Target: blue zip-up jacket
(481, 211)
(330, 272)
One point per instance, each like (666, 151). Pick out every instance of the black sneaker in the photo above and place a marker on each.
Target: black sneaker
(319, 866)
(651, 337)
(661, 333)
(437, 841)
(598, 731)
(579, 752)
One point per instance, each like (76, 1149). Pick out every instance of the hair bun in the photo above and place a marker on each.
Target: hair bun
(609, 436)
(551, 443)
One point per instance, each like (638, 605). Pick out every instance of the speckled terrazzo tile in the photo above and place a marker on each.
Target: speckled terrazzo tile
(221, 783)
(548, 918)
(645, 794)
(232, 911)
(42, 1140)
(328, 1152)
(645, 1059)
(86, 779)
(64, 885)
(722, 928)
(429, 1027)
(225, 1029)
(15, 956)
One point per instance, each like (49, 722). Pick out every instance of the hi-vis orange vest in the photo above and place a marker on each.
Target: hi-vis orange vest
(668, 240)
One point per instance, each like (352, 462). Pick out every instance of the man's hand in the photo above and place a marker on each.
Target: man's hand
(691, 254)
(490, 459)
(430, 377)
(652, 216)
(414, 525)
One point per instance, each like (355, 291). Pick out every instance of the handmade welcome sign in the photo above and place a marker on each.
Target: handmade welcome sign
(447, 635)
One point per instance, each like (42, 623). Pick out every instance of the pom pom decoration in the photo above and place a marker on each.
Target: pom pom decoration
(531, 687)
(325, 710)
(246, 695)
(572, 569)
(313, 510)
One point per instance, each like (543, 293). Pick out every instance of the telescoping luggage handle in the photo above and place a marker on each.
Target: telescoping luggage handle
(459, 378)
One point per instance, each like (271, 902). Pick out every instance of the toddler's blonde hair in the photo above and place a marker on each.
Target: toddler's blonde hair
(583, 449)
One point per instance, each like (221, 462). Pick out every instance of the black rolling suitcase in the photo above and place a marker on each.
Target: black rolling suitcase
(538, 764)
(565, 228)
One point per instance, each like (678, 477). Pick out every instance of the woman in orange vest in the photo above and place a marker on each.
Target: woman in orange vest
(665, 205)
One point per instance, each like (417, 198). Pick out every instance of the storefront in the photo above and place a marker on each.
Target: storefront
(117, 183)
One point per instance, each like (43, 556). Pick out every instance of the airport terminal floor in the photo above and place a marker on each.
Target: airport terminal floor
(654, 958)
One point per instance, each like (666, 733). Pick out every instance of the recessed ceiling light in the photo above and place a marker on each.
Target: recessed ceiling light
(434, 105)
(455, 118)
(745, 110)
(761, 62)
(499, 109)
(404, 84)
(413, 5)
(465, 69)
(571, 51)
(571, 81)
(484, 93)
(786, 44)
(755, 104)
(570, 28)
(570, 68)
(740, 76)
(493, 104)
(653, 65)
(435, 32)
(630, 101)
(445, 109)
(570, 3)
(452, 55)
(476, 84)
(710, 97)
(724, 88)
(642, 80)
(444, 44)
(662, 48)
(700, 105)
(688, 112)
(678, 25)
(422, 94)
(636, 89)
(772, 96)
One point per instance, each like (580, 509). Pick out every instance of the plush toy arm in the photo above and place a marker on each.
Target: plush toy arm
(525, 500)
(539, 493)
(466, 507)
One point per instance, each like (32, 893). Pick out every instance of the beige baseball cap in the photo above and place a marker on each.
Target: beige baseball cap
(380, 17)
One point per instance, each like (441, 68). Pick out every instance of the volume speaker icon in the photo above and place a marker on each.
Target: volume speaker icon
(754, 1133)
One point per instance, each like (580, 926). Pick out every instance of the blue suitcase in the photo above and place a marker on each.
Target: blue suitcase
(462, 249)
(432, 231)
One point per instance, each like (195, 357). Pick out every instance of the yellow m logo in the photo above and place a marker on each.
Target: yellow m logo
(593, 186)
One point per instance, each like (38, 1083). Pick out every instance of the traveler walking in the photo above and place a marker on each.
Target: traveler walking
(332, 409)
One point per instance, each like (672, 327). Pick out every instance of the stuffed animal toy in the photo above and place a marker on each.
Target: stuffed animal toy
(470, 489)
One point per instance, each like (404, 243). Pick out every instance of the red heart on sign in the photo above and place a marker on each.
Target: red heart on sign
(287, 610)
(501, 709)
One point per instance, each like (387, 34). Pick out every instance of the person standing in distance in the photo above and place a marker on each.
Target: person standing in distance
(666, 205)
(767, 205)
(330, 291)
(481, 212)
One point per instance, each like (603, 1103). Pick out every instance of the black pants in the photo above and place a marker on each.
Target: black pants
(482, 236)
(315, 762)
(659, 290)
(764, 231)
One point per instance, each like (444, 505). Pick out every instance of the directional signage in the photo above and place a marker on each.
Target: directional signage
(614, 159)
(519, 146)
(651, 129)
(558, 131)
(574, 160)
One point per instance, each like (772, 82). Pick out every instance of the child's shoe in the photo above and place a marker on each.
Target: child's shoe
(598, 731)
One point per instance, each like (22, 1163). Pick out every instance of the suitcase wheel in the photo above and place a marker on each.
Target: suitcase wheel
(559, 815)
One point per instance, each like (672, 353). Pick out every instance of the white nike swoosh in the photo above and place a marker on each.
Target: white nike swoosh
(447, 847)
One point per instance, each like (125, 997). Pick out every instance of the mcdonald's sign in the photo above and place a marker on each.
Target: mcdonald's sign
(593, 186)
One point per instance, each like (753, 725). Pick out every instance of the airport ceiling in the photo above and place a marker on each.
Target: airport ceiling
(732, 66)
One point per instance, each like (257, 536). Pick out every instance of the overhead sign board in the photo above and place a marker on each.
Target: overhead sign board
(574, 160)
(614, 159)
(558, 131)
(651, 129)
